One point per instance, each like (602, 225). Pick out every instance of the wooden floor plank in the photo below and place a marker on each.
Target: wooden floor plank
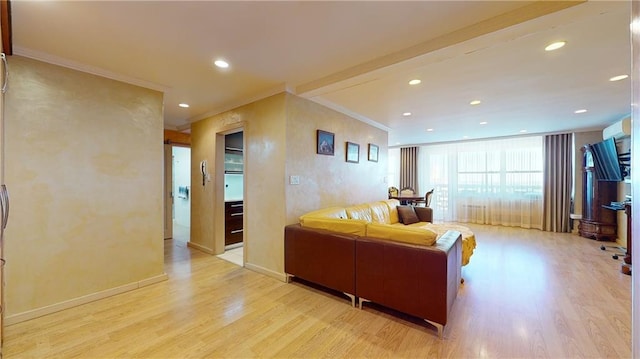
(526, 294)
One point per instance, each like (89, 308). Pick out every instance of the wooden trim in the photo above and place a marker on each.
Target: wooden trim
(268, 272)
(177, 138)
(201, 248)
(5, 22)
(39, 312)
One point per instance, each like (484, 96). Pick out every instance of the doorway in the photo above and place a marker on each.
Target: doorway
(234, 197)
(181, 185)
(177, 209)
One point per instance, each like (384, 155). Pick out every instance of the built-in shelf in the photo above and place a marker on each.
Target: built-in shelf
(233, 162)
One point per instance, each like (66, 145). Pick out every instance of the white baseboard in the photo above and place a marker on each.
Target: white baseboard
(200, 247)
(35, 313)
(273, 274)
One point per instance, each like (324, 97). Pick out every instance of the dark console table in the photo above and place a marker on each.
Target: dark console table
(626, 265)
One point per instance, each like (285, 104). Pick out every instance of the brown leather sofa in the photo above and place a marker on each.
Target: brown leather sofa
(422, 281)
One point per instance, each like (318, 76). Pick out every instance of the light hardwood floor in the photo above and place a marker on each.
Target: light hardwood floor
(526, 294)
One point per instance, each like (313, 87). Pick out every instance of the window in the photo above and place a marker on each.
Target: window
(492, 182)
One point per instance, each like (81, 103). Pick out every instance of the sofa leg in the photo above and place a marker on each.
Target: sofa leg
(353, 299)
(362, 300)
(437, 325)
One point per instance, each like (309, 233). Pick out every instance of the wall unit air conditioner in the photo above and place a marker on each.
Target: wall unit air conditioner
(618, 130)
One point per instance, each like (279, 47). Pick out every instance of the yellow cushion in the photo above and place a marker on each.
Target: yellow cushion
(405, 234)
(379, 212)
(332, 212)
(361, 211)
(393, 210)
(349, 226)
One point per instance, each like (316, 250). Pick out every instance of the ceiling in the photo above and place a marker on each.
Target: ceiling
(356, 57)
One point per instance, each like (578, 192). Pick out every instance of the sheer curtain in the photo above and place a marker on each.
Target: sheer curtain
(495, 182)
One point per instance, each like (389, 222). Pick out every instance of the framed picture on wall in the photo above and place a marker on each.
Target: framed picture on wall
(325, 143)
(373, 152)
(353, 152)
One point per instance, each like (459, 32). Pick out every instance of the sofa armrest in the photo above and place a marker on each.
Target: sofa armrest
(320, 256)
(419, 280)
(425, 214)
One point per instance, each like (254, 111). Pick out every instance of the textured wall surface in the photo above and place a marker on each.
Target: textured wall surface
(263, 123)
(330, 180)
(280, 141)
(84, 159)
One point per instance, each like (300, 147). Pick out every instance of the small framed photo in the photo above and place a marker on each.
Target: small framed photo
(353, 152)
(373, 152)
(325, 141)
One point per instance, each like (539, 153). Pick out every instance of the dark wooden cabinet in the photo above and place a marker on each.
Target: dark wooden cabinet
(597, 222)
(233, 222)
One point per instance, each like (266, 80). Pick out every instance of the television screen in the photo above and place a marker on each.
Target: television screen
(605, 160)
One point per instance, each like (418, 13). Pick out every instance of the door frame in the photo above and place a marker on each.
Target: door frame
(168, 191)
(219, 217)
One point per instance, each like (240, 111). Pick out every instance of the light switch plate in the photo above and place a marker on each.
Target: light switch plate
(294, 179)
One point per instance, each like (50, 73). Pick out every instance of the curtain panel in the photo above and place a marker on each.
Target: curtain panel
(558, 176)
(409, 167)
(496, 182)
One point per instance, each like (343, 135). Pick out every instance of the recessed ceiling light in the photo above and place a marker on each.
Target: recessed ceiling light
(221, 64)
(484, 122)
(183, 105)
(555, 45)
(414, 82)
(475, 102)
(406, 114)
(618, 78)
(580, 111)
(523, 131)
(429, 129)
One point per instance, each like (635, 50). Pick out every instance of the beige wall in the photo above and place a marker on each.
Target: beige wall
(330, 180)
(263, 123)
(84, 170)
(280, 141)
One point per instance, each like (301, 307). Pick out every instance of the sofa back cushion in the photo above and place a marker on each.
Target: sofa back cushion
(412, 235)
(392, 204)
(361, 211)
(348, 226)
(380, 212)
(331, 212)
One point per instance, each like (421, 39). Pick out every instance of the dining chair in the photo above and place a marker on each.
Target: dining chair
(393, 192)
(407, 191)
(426, 201)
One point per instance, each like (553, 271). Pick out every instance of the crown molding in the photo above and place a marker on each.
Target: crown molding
(349, 113)
(235, 104)
(55, 60)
